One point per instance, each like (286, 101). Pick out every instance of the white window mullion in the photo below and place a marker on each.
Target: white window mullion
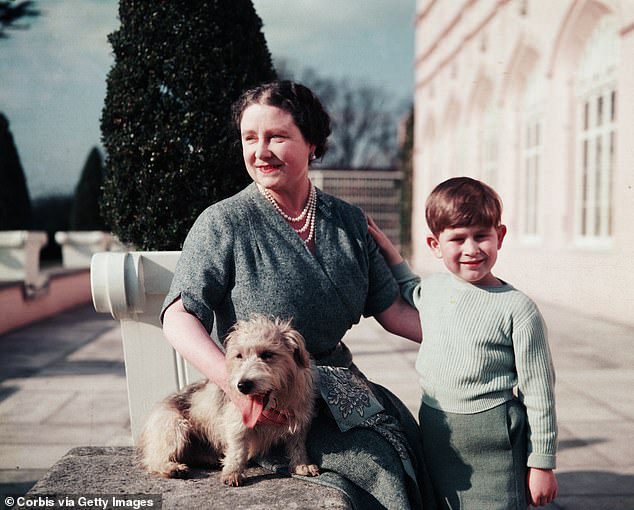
(531, 182)
(603, 173)
(582, 159)
(527, 227)
(531, 146)
(590, 191)
(607, 161)
(536, 185)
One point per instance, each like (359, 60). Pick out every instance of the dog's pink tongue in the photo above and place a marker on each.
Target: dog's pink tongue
(252, 412)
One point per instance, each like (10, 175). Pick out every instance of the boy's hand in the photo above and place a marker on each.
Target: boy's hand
(542, 486)
(389, 251)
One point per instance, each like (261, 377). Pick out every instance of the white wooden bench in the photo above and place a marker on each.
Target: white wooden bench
(132, 286)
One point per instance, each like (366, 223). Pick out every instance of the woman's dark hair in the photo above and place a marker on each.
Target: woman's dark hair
(305, 107)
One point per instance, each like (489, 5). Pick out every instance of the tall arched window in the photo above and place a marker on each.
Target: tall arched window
(531, 143)
(596, 95)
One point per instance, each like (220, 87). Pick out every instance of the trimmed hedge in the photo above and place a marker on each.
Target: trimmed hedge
(15, 202)
(85, 214)
(166, 123)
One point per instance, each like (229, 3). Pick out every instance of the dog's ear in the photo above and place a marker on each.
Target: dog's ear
(296, 342)
(234, 332)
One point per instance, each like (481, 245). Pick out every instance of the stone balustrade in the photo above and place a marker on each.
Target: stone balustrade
(20, 256)
(78, 247)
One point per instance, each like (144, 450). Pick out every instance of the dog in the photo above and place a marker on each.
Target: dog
(271, 371)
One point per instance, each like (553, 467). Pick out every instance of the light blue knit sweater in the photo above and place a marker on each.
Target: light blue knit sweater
(479, 343)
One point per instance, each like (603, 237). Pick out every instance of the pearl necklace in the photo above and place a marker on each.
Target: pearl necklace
(307, 214)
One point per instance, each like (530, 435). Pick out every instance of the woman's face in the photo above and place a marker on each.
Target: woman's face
(274, 149)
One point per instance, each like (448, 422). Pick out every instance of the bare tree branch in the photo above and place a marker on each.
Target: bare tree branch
(10, 12)
(364, 120)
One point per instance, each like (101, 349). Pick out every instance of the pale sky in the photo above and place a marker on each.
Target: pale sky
(369, 40)
(52, 76)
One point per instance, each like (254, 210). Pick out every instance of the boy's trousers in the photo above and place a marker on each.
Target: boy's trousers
(477, 461)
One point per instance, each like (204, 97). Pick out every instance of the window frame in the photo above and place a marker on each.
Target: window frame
(596, 99)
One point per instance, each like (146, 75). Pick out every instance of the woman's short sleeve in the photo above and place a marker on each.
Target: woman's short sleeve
(382, 288)
(205, 267)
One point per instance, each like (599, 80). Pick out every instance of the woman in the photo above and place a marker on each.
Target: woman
(282, 248)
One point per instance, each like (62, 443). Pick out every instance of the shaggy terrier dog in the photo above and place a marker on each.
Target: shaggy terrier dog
(268, 367)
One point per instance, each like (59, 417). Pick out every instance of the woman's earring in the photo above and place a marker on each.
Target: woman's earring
(312, 157)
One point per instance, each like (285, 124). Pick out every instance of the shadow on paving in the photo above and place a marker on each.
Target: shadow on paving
(48, 349)
(20, 487)
(28, 350)
(593, 490)
(580, 443)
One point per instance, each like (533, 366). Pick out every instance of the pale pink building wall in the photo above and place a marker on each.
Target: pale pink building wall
(472, 54)
(64, 291)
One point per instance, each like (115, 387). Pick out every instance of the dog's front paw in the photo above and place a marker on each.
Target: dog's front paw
(171, 470)
(180, 471)
(306, 470)
(232, 478)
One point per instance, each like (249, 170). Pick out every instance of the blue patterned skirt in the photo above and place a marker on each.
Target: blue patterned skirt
(367, 444)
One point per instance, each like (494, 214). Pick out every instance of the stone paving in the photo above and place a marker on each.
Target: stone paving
(62, 385)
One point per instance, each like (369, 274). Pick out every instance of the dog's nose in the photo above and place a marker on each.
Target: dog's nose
(245, 386)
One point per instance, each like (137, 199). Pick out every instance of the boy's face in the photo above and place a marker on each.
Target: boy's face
(469, 252)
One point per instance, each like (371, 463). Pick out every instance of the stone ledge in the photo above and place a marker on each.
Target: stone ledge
(111, 471)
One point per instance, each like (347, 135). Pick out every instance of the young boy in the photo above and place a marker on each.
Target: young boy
(482, 338)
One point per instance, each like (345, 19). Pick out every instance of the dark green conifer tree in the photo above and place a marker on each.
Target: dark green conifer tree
(170, 147)
(85, 214)
(15, 202)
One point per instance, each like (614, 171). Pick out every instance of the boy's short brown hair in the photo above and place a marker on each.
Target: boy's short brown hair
(462, 202)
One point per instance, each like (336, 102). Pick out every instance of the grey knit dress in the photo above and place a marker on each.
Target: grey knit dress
(241, 258)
